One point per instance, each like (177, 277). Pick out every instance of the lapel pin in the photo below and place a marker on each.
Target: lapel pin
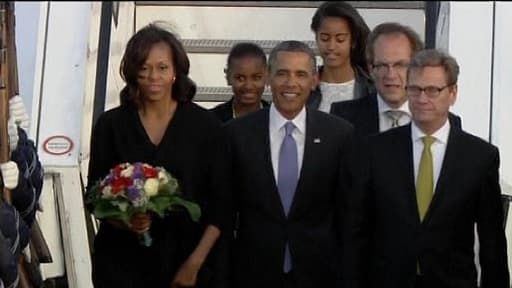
(316, 140)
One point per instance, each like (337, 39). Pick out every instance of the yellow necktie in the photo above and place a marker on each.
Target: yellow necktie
(425, 181)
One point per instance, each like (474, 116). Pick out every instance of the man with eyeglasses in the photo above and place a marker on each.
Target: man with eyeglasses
(429, 183)
(389, 50)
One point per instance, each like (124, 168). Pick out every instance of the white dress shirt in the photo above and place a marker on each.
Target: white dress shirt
(277, 133)
(385, 123)
(335, 92)
(438, 149)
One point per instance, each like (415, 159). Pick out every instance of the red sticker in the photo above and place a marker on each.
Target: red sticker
(58, 145)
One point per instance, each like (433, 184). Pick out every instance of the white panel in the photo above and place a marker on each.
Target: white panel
(250, 23)
(63, 81)
(50, 227)
(470, 42)
(259, 23)
(26, 45)
(502, 87)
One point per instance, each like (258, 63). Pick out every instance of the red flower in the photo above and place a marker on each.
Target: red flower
(117, 171)
(118, 185)
(150, 172)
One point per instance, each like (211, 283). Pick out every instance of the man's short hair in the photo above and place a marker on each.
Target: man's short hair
(390, 28)
(436, 58)
(291, 46)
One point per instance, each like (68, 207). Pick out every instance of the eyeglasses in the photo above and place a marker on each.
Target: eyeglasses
(430, 91)
(386, 67)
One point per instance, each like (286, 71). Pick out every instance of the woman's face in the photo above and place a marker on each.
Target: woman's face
(156, 76)
(247, 78)
(334, 40)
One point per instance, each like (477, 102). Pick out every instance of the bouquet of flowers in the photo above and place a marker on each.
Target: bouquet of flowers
(138, 188)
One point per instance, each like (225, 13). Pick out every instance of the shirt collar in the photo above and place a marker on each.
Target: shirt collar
(384, 107)
(441, 135)
(277, 120)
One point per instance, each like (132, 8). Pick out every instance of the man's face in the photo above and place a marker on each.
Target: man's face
(392, 54)
(291, 80)
(430, 97)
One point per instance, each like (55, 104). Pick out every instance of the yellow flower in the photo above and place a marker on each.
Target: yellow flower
(151, 187)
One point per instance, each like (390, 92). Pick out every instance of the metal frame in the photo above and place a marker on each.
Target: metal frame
(223, 46)
(290, 4)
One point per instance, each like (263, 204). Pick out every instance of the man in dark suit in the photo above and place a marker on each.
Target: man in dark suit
(429, 184)
(389, 49)
(288, 171)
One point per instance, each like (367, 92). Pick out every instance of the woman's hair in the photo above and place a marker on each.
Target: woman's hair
(135, 55)
(246, 49)
(358, 28)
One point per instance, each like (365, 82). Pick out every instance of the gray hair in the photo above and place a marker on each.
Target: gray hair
(436, 58)
(291, 46)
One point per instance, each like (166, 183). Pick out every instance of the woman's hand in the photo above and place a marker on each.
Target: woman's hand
(140, 223)
(187, 274)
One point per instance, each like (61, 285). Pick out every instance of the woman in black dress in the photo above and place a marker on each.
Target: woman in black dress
(158, 124)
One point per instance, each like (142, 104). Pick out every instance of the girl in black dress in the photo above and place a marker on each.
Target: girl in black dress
(158, 124)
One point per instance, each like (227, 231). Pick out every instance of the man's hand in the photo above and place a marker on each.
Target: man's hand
(10, 174)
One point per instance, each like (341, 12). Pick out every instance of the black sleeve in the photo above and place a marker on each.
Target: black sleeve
(30, 182)
(358, 217)
(100, 155)
(8, 263)
(491, 232)
(223, 210)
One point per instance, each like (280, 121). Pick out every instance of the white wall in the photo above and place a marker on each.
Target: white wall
(26, 46)
(63, 81)
(251, 23)
(484, 100)
(502, 88)
(470, 42)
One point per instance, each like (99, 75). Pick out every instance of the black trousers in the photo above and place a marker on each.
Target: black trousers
(420, 282)
(289, 280)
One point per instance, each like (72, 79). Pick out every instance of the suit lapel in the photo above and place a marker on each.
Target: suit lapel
(369, 116)
(309, 153)
(406, 168)
(261, 140)
(447, 168)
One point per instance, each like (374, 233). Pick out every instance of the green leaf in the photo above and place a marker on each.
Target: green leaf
(105, 209)
(193, 209)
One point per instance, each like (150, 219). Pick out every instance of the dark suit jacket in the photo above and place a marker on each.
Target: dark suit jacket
(363, 113)
(467, 192)
(224, 111)
(313, 226)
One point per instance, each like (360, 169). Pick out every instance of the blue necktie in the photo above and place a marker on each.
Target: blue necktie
(287, 179)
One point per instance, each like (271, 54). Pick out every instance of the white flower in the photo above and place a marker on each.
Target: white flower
(151, 187)
(127, 172)
(107, 192)
(162, 177)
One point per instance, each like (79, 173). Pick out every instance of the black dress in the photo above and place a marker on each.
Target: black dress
(186, 151)
(224, 111)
